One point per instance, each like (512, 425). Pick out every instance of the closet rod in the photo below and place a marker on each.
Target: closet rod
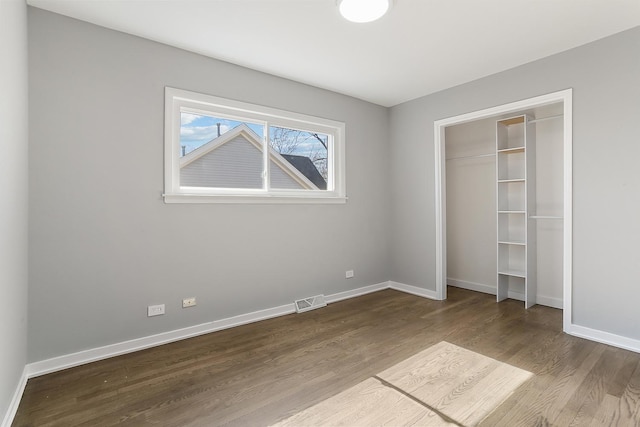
(471, 157)
(542, 119)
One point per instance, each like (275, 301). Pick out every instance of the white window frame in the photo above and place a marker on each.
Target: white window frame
(178, 100)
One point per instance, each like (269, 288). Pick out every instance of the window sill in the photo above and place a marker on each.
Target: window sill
(251, 199)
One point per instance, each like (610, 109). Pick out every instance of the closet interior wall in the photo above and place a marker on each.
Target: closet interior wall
(471, 206)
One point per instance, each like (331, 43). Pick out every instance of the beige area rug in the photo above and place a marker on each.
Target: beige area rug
(444, 385)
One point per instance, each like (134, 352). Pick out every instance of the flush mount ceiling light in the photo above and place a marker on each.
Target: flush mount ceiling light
(363, 10)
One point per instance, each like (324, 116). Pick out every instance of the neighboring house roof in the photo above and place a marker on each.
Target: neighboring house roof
(307, 168)
(299, 168)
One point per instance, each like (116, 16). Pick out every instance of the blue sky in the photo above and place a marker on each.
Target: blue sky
(197, 130)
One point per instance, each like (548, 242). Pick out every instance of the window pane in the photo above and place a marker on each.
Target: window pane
(298, 159)
(217, 151)
(220, 153)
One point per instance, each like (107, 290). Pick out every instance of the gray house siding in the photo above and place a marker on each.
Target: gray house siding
(280, 179)
(235, 164)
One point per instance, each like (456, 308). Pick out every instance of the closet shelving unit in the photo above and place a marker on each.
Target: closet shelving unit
(515, 182)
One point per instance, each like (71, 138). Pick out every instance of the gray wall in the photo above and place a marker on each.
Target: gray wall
(103, 245)
(13, 203)
(605, 78)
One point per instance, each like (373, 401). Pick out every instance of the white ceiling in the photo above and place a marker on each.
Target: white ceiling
(419, 47)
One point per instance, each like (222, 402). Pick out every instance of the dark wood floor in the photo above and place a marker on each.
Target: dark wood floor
(261, 373)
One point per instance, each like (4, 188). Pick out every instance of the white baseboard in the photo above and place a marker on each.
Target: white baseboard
(471, 286)
(481, 287)
(489, 289)
(550, 301)
(15, 400)
(356, 292)
(74, 359)
(604, 337)
(86, 356)
(578, 331)
(54, 364)
(414, 290)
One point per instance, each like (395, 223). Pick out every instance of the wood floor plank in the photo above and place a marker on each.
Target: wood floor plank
(629, 408)
(369, 403)
(464, 385)
(540, 400)
(262, 373)
(607, 414)
(588, 396)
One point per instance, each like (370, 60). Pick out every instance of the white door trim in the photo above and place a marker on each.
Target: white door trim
(564, 96)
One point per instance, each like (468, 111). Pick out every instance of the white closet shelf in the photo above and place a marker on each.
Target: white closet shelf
(545, 217)
(514, 273)
(477, 156)
(515, 177)
(512, 242)
(542, 119)
(511, 150)
(512, 121)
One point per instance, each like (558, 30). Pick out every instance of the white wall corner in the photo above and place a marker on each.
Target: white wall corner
(472, 286)
(604, 337)
(15, 400)
(414, 290)
(356, 292)
(552, 302)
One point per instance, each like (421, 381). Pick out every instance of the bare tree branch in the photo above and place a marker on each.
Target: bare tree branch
(324, 143)
(290, 141)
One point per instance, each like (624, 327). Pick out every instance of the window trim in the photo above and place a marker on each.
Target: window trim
(177, 99)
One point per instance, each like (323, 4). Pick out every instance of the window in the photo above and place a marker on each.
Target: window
(220, 150)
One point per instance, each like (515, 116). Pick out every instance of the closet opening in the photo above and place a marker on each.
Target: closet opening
(503, 202)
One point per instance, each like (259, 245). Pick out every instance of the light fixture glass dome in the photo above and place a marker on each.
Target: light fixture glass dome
(363, 10)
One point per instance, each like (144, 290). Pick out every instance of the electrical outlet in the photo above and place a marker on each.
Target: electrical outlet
(349, 274)
(155, 310)
(188, 302)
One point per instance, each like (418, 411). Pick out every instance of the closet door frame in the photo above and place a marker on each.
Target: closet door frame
(564, 96)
